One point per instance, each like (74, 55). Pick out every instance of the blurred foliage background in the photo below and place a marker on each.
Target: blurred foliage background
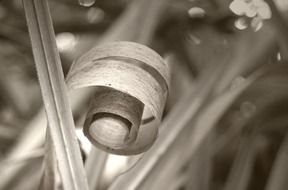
(212, 47)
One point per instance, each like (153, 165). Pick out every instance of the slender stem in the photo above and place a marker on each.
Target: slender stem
(54, 94)
(94, 166)
(48, 181)
(241, 170)
(278, 179)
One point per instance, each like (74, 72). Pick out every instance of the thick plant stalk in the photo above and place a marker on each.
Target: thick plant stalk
(54, 94)
(32, 138)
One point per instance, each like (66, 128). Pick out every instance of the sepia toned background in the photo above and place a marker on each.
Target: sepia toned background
(225, 120)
